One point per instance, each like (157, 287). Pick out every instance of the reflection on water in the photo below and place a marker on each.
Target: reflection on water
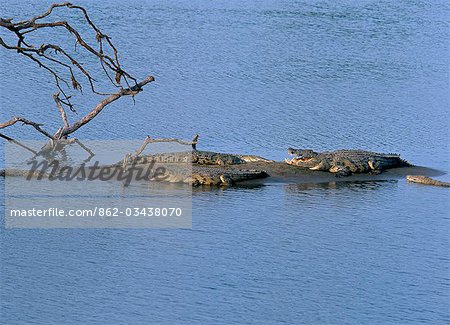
(238, 187)
(340, 185)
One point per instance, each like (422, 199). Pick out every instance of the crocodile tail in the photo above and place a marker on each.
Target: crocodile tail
(405, 163)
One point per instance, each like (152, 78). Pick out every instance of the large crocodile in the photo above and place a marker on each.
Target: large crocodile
(205, 175)
(345, 162)
(199, 157)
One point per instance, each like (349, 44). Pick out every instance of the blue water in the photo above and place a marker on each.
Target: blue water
(255, 78)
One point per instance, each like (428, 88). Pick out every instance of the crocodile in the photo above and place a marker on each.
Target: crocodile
(192, 167)
(217, 176)
(199, 157)
(426, 180)
(345, 162)
(203, 172)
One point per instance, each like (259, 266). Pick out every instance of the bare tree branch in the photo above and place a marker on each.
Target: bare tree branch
(129, 158)
(100, 106)
(108, 63)
(61, 110)
(149, 140)
(16, 119)
(68, 66)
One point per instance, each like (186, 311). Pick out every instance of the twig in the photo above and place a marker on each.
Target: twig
(69, 63)
(61, 110)
(149, 140)
(16, 119)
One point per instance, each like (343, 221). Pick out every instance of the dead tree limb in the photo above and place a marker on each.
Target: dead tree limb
(89, 151)
(131, 157)
(100, 106)
(149, 140)
(66, 69)
(110, 64)
(16, 119)
(61, 110)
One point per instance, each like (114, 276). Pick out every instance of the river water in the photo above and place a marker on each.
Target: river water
(255, 77)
